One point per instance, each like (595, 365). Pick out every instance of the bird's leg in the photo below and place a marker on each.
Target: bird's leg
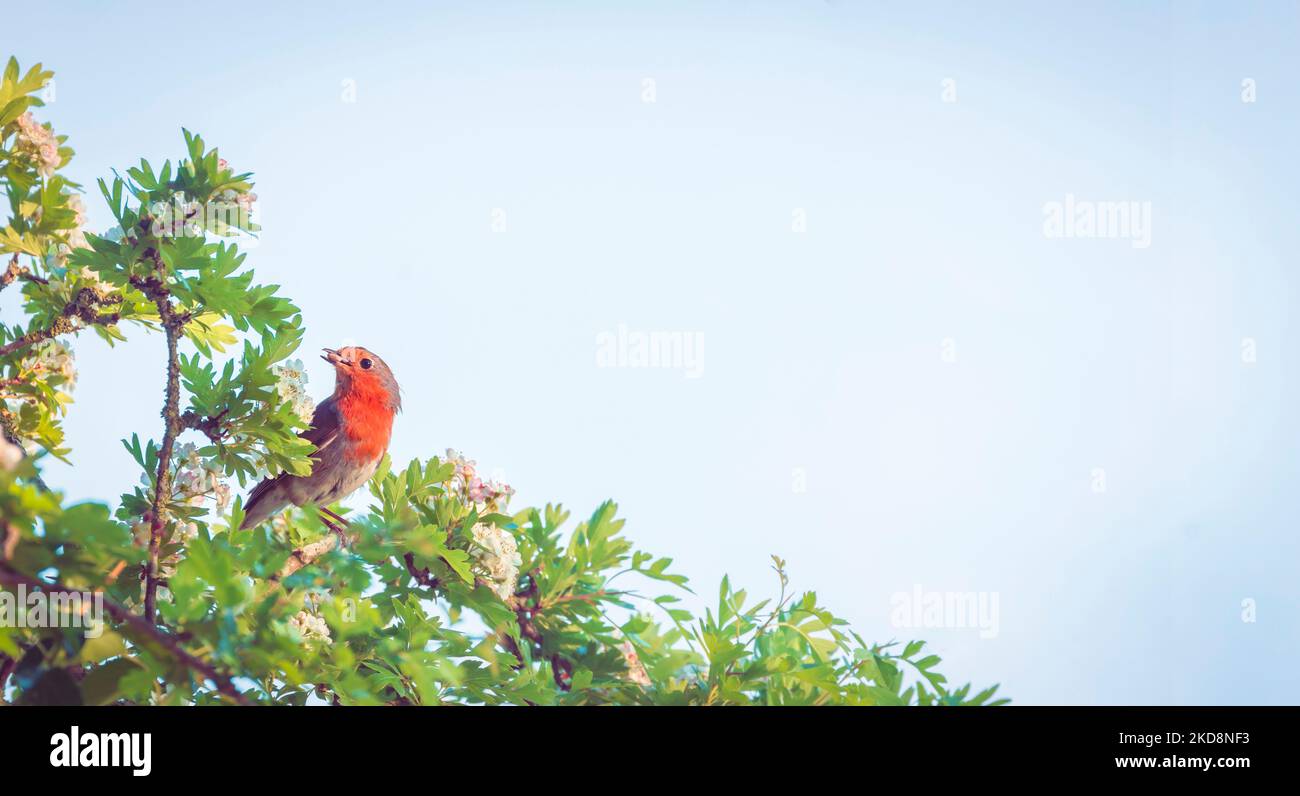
(344, 540)
(339, 525)
(329, 523)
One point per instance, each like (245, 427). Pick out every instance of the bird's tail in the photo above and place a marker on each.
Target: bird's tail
(266, 499)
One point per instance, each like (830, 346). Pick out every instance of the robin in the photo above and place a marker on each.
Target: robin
(350, 430)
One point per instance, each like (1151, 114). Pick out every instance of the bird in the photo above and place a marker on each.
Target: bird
(351, 430)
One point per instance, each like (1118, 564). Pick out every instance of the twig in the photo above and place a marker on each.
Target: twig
(81, 312)
(210, 427)
(422, 576)
(7, 666)
(589, 597)
(8, 540)
(323, 690)
(11, 273)
(147, 628)
(527, 604)
(7, 429)
(15, 272)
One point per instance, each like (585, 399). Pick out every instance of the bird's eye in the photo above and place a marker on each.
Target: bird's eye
(365, 364)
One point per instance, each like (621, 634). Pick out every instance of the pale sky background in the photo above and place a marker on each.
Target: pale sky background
(822, 349)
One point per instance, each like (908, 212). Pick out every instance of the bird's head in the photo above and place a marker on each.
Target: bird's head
(357, 370)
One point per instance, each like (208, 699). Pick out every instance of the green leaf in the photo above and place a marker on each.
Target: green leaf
(102, 684)
(108, 645)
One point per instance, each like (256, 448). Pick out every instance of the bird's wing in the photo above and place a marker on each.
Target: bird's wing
(324, 432)
(325, 425)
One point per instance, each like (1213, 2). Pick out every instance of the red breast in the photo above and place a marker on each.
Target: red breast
(366, 411)
(366, 397)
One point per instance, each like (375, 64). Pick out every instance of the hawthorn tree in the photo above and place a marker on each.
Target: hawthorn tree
(446, 595)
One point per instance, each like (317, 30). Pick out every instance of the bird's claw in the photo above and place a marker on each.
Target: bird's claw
(345, 539)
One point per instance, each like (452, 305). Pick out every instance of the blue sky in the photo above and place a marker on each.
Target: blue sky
(916, 390)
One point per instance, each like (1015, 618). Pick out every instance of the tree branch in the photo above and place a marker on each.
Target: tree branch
(81, 312)
(121, 614)
(173, 324)
(306, 555)
(300, 558)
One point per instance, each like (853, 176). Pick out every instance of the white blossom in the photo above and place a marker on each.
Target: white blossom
(221, 494)
(39, 143)
(176, 217)
(198, 479)
(54, 358)
(495, 551)
(636, 672)
(465, 484)
(465, 468)
(311, 627)
(292, 387)
(496, 557)
(187, 531)
(233, 205)
(77, 236)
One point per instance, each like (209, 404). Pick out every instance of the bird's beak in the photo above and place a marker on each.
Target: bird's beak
(331, 356)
